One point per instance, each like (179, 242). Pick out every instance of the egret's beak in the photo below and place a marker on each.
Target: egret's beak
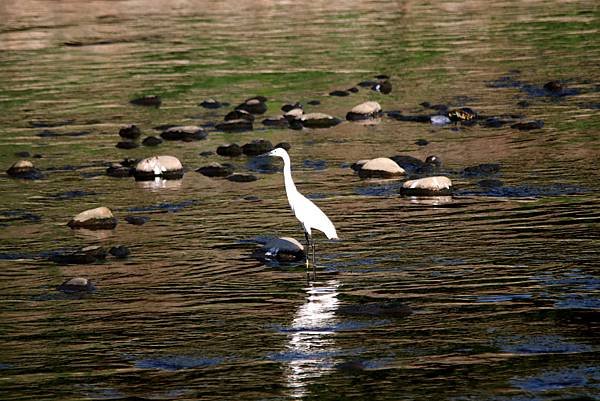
(268, 154)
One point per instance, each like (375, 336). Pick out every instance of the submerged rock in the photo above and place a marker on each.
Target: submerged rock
(481, 170)
(119, 170)
(184, 133)
(168, 167)
(257, 147)
(216, 170)
(151, 100)
(100, 218)
(127, 145)
(211, 104)
(385, 309)
(119, 251)
(137, 220)
(87, 255)
(130, 132)
(381, 167)
(429, 186)
(528, 125)
(283, 249)
(239, 115)
(364, 111)
(287, 107)
(76, 285)
(318, 120)
(24, 169)
(230, 150)
(152, 141)
(254, 105)
(234, 125)
(241, 177)
(339, 93)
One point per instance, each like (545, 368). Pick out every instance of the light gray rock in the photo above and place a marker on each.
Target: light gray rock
(318, 120)
(282, 249)
(381, 167)
(76, 284)
(100, 218)
(168, 167)
(24, 169)
(364, 111)
(428, 186)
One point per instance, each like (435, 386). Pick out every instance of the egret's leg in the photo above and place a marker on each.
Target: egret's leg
(307, 249)
(313, 260)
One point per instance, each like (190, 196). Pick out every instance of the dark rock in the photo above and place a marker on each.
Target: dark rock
(151, 100)
(354, 89)
(339, 93)
(440, 108)
(87, 255)
(318, 120)
(234, 126)
(382, 77)
(490, 183)
(127, 145)
(255, 105)
(129, 162)
(67, 195)
(167, 167)
(408, 163)
(207, 153)
(24, 154)
(184, 133)
(295, 125)
(384, 87)
(419, 118)
(528, 125)
(137, 220)
(76, 285)
(283, 145)
(251, 198)
(241, 177)
(287, 107)
(284, 250)
(481, 170)
(367, 84)
(100, 218)
(523, 103)
(279, 122)
(257, 147)
(130, 132)
(232, 150)
(385, 309)
(421, 142)
(152, 141)
(364, 111)
(239, 115)
(120, 251)
(211, 104)
(553, 86)
(118, 170)
(216, 170)
(495, 122)
(314, 102)
(24, 169)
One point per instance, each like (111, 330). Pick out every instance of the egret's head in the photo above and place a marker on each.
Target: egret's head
(279, 152)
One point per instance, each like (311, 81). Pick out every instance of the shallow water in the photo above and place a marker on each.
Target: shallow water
(502, 279)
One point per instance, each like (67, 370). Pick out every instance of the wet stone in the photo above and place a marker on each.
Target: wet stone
(184, 133)
(137, 220)
(151, 100)
(87, 255)
(119, 251)
(354, 89)
(287, 107)
(314, 102)
(100, 218)
(152, 141)
(211, 104)
(528, 125)
(76, 285)
(367, 84)
(278, 122)
(119, 171)
(239, 115)
(384, 87)
(283, 145)
(421, 142)
(381, 167)
(490, 183)
(416, 118)
(408, 163)
(234, 126)
(481, 170)
(168, 167)
(23, 153)
(429, 186)
(127, 145)
(339, 93)
(216, 170)
(385, 309)
(283, 249)
(229, 150)
(24, 169)
(364, 111)
(318, 120)
(257, 147)
(255, 105)
(130, 132)
(241, 177)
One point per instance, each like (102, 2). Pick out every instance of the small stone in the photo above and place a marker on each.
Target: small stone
(230, 150)
(528, 125)
(318, 120)
(152, 100)
(279, 122)
(207, 153)
(184, 133)
(314, 102)
(83, 256)
(100, 218)
(381, 167)
(23, 153)
(76, 285)
(168, 167)
(130, 132)
(384, 87)
(257, 147)
(283, 145)
(255, 105)
(152, 141)
(241, 177)
(137, 220)
(339, 93)
(354, 89)
(216, 170)
(234, 125)
(283, 249)
(24, 169)
(287, 107)
(440, 120)
(367, 84)
(553, 86)
(429, 186)
(118, 170)
(481, 170)
(239, 115)
(211, 104)
(127, 145)
(364, 111)
(294, 114)
(120, 251)
(421, 142)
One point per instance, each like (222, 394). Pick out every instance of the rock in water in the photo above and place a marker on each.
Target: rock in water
(100, 218)
(184, 133)
(152, 141)
(364, 111)
(216, 170)
(130, 132)
(241, 177)
(255, 105)
(283, 249)
(87, 255)
(257, 147)
(230, 150)
(211, 104)
(239, 115)
(168, 167)
(24, 169)
(234, 125)
(75, 285)
(127, 145)
(151, 100)
(381, 167)
(429, 186)
(120, 251)
(384, 87)
(318, 120)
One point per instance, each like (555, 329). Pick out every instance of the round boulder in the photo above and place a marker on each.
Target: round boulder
(429, 186)
(152, 141)
(294, 114)
(211, 104)
(168, 167)
(24, 169)
(130, 132)
(119, 170)
(364, 111)
(381, 167)
(283, 249)
(257, 147)
(239, 115)
(216, 170)
(318, 120)
(230, 150)
(100, 218)
(255, 105)
(184, 133)
(234, 125)
(75, 285)
(127, 145)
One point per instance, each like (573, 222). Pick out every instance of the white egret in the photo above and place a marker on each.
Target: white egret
(309, 215)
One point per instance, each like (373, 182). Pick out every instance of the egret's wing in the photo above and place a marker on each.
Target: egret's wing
(310, 215)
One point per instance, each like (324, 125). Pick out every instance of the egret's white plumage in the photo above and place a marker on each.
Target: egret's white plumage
(309, 215)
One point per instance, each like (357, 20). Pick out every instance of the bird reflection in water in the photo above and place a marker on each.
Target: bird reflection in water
(311, 345)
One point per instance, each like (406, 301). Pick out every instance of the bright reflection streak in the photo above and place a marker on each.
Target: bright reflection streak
(311, 339)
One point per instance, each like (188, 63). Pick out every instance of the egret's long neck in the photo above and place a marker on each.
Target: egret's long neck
(290, 187)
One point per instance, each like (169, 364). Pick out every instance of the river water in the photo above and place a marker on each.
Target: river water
(492, 294)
